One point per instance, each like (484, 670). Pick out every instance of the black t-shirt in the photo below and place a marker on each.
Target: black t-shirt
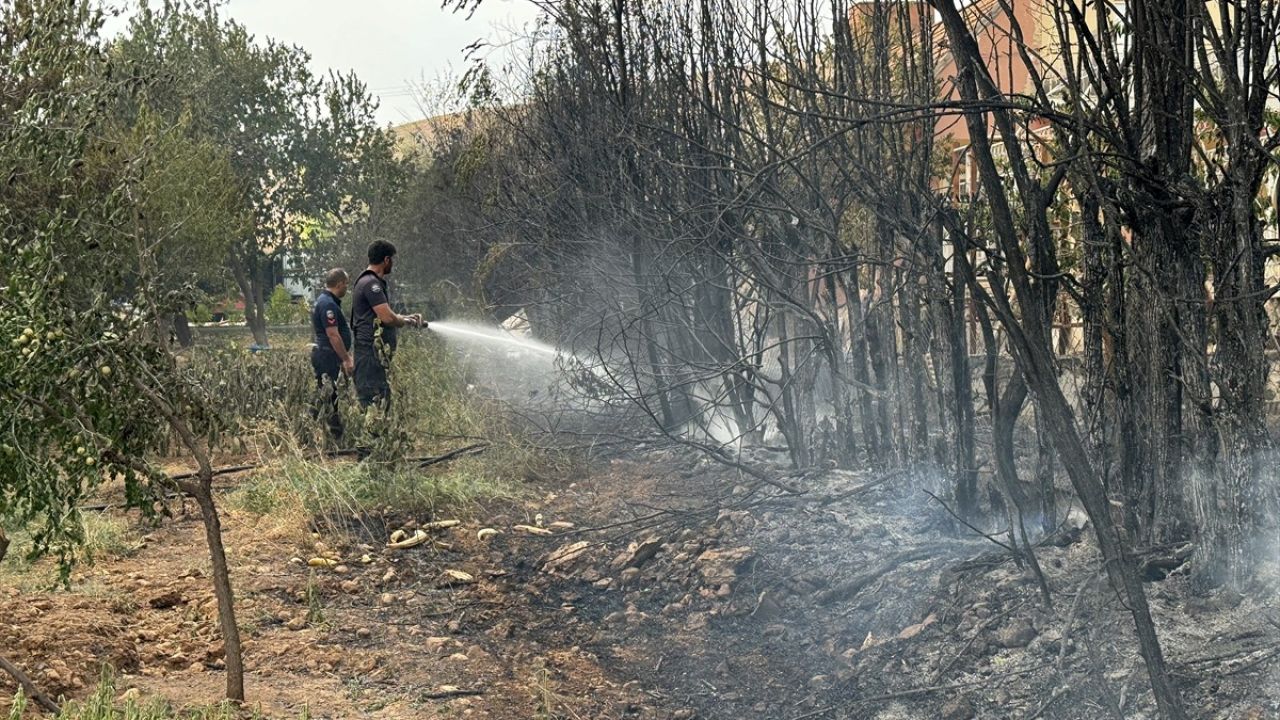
(327, 313)
(370, 292)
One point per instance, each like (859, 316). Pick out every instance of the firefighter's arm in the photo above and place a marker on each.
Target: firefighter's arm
(388, 317)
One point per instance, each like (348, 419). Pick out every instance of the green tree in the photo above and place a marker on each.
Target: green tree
(303, 149)
(187, 211)
(90, 389)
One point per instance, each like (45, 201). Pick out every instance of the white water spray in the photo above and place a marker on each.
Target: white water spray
(492, 335)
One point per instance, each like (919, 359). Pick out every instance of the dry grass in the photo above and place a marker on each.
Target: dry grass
(106, 536)
(433, 412)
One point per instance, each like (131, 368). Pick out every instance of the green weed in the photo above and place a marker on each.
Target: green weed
(299, 491)
(315, 606)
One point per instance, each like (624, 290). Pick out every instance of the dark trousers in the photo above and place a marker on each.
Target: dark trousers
(371, 378)
(328, 369)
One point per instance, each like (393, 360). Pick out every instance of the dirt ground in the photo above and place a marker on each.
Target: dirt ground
(856, 599)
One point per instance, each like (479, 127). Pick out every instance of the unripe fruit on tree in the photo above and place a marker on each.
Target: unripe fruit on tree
(49, 335)
(80, 450)
(105, 370)
(28, 332)
(90, 461)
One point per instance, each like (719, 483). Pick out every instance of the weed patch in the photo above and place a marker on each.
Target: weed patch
(297, 492)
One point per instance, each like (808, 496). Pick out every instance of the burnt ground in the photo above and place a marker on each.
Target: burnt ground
(680, 592)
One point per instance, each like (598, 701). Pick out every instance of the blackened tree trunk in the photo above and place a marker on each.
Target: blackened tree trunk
(966, 481)
(1029, 338)
(1238, 70)
(182, 329)
(867, 403)
(1231, 505)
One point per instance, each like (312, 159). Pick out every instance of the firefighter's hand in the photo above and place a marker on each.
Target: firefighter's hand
(349, 366)
(415, 320)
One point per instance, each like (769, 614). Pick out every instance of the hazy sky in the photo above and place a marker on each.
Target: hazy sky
(393, 45)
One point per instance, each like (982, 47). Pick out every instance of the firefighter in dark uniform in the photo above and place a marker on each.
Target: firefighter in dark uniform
(331, 354)
(375, 326)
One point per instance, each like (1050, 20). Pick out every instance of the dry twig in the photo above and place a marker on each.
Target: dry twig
(29, 687)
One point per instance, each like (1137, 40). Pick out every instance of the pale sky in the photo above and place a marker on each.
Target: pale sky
(394, 46)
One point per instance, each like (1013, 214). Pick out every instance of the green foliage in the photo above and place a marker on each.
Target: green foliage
(202, 313)
(435, 223)
(78, 355)
(282, 310)
(305, 152)
(189, 204)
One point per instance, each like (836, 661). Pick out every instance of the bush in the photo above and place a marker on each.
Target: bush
(439, 407)
(201, 313)
(282, 310)
(255, 396)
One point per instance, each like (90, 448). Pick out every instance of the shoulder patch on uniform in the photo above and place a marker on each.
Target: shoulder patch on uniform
(376, 287)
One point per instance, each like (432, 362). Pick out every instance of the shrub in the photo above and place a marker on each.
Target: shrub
(282, 310)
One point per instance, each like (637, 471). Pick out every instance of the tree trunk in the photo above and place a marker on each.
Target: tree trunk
(1031, 345)
(29, 687)
(790, 423)
(1006, 411)
(1231, 504)
(879, 335)
(1096, 249)
(915, 347)
(966, 491)
(182, 328)
(246, 276)
(202, 490)
(842, 407)
(871, 437)
(1045, 461)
